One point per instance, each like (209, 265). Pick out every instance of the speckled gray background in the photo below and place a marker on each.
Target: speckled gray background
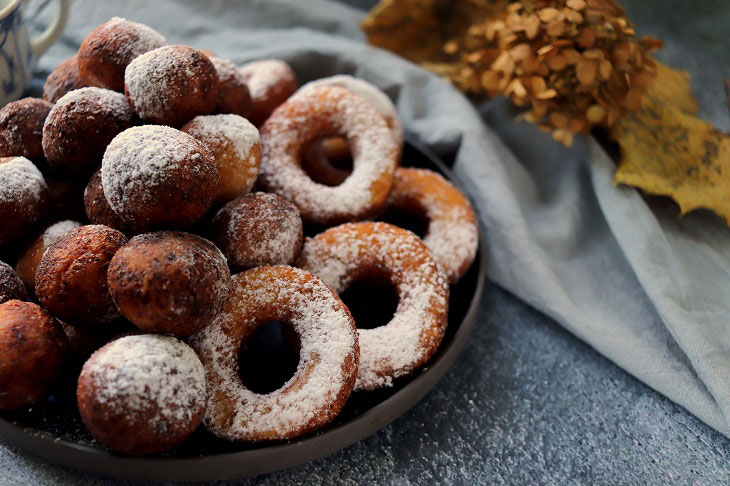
(527, 402)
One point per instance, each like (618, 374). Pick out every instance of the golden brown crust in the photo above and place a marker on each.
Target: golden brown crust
(169, 282)
(21, 128)
(233, 94)
(66, 77)
(71, 278)
(97, 207)
(32, 349)
(268, 87)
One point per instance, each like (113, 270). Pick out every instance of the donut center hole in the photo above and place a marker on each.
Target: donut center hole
(410, 220)
(269, 358)
(328, 161)
(372, 301)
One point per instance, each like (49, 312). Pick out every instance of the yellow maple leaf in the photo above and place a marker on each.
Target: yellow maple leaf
(666, 150)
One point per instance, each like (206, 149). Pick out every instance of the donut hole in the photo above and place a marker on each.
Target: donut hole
(328, 161)
(411, 220)
(372, 300)
(269, 357)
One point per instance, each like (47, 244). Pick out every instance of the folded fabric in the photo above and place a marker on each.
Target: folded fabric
(648, 291)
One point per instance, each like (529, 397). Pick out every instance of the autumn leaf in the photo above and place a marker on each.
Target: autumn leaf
(667, 150)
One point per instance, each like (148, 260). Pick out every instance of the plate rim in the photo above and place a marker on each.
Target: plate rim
(263, 460)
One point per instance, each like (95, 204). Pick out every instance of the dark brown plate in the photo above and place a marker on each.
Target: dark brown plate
(53, 429)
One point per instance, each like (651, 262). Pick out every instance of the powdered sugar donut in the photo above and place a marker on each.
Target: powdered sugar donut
(328, 356)
(108, 49)
(21, 128)
(11, 286)
(169, 282)
(371, 93)
(155, 176)
(81, 125)
(236, 147)
(142, 394)
(258, 229)
(347, 253)
(171, 84)
(66, 77)
(31, 257)
(23, 197)
(233, 94)
(324, 112)
(270, 82)
(452, 235)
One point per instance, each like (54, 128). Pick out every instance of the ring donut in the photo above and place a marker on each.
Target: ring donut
(322, 112)
(328, 356)
(344, 254)
(452, 234)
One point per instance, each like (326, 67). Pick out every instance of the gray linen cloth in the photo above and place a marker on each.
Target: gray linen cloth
(647, 290)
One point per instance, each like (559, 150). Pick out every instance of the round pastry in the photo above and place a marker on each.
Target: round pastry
(353, 251)
(452, 235)
(328, 356)
(21, 128)
(371, 93)
(324, 112)
(258, 229)
(81, 125)
(142, 394)
(233, 94)
(23, 197)
(169, 282)
(31, 257)
(270, 82)
(108, 49)
(236, 147)
(97, 207)
(171, 85)
(155, 176)
(66, 77)
(11, 286)
(32, 350)
(71, 278)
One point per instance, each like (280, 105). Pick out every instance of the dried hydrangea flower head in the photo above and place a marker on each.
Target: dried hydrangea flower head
(575, 63)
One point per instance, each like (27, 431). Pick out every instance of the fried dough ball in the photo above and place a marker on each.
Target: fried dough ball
(142, 394)
(81, 125)
(71, 280)
(66, 77)
(270, 82)
(11, 286)
(258, 229)
(31, 257)
(32, 350)
(23, 197)
(169, 282)
(236, 147)
(97, 207)
(108, 49)
(21, 128)
(171, 85)
(233, 95)
(155, 176)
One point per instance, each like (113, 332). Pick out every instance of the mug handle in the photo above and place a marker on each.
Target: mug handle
(40, 44)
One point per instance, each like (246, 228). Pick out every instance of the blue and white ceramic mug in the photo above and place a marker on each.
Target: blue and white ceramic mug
(18, 51)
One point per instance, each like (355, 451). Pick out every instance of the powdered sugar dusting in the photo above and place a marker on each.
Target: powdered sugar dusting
(21, 183)
(148, 374)
(301, 120)
(262, 76)
(54, 232)
(11, 285)
(141, 158)
(370, 93)
(328, 342)
(227, 131)
(92, 103)
(452, 235)
(130, 39)
(412, 336)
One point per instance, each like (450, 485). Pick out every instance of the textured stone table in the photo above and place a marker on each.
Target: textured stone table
(527, 402)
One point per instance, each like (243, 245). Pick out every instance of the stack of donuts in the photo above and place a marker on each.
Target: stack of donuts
(153, 207)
